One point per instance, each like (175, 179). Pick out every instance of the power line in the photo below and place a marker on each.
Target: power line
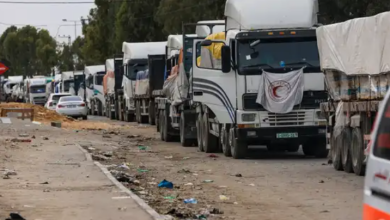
(45, 2)
(37, 25)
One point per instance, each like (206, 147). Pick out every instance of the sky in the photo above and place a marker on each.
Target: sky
(43, 14)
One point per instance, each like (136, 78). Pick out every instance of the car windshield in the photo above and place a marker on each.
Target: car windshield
(278, 53)
(70, 99)
(133, 69)
(99, 78)
(38, 89)
(57, 97)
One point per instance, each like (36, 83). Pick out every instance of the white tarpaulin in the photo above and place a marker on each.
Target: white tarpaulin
(358, 46)
(176, 87)
(279, 93)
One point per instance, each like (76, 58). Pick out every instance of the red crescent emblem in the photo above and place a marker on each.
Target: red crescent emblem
(274, 91)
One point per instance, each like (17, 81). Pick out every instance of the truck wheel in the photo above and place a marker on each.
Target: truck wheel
(167, 124)
(225, 141)
(92, 108)
(239, 149)
(151, 113)
(336, 152)
(199, 134)
(315, 147)
(137, 112)
(357, 152)
(183, 140)
(144, 119)
(346, 151)
(158, 120)
(210, 142)
(162, 125)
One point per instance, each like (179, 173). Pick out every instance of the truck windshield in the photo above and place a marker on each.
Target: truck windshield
(38, 89)
(67, 84)
(133, 69)
(99, 79)
(277, 53)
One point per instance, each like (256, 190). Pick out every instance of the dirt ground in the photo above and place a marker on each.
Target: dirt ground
(265, 186)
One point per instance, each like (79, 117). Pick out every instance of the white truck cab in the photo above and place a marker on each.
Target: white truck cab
(94, 89)
(259, 82)
(135, 58)
(36, 91)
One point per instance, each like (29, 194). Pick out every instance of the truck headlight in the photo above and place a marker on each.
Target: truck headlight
(248, 117)
(320, 115)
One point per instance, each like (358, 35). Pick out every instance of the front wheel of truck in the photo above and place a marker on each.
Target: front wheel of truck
(315, 148)
(238, 148)
(225, 141)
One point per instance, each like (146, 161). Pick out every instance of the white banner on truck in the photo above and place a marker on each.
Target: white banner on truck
(279, 93)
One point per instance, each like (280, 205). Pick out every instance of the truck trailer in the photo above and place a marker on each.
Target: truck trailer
(356, 87)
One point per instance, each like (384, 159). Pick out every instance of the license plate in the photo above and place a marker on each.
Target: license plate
(71, 106)
(287, 135)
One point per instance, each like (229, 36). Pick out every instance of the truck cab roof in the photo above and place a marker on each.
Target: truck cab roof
(142, 50)
(94, 69)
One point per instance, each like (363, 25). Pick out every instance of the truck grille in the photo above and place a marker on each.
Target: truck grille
(311, 100)
(289, 119)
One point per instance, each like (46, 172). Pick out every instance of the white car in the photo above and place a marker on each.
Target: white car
(53, 100)
(73, 106)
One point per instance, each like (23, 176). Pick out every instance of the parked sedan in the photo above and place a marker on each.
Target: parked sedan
(53, 100)
(73, 106)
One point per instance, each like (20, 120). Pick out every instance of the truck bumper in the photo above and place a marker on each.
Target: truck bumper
(269, 135)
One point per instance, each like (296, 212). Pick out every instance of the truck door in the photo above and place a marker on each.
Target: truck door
(211, 86)
(377, 187)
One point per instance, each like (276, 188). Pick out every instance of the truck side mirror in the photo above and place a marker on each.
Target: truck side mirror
(225, 58)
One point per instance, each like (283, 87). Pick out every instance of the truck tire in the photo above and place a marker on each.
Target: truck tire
(157, 120)
(316, 148)
(199, 133)
(336, 152)
(210, 142)
(92, 108)
(357, 152)
(346, 150)
(161, 123)
(225, 141)
(137, 112)
(238, 148)
(185, 142)
(151, 118)
(167, 124)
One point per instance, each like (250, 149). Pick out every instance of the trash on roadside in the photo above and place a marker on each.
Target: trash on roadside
(216, 211)
(99, 157)
(143, 193)
(122, 177)
(238, 175)
(23, 135)
(45, 138)
(170, 197)
(222, 186)
(10, 172)
(91, 148)
(186, 158)
(165, 184)
(133, 136)
(213, 156)
(21, 140)
(252, 184)
(208, 181)
(190, 201)
(44, 183)
(223, 198)
(124, 166)
(136, 182)
(108, 154)
(235, 203)
(184, 171)
(142, 171)
(168, 157)
(189, 184)
(152, 183)
(142, 148)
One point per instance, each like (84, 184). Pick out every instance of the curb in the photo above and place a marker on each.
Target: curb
(141, 203)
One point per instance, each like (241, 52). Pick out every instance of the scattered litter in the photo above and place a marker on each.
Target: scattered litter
(186, 158)
(142, 148)
(23, 135)
(222, 186)
(122, 208)
(184, 171)
(45, 138)
(195, 174)
(106, 136)
(15, 216)
(133, 136)
(170, 197)
(216, 211)
(45, 183)
(190, 201)
(28, 206)
(208, 181)
(223, 198)
(152, 183)
(9, 172)
(122, 177)
(324, 211)
(124, 166)
(107, 154)
(6, 120)
(99, 157)
(213, 156)
(165, 184)
(142, 171)
(46, 190)
(136, 182)
(235, 203)
(238, 175)
(143, 193)
(21, 140)
(36, 123)
(91, 148)
(252, 184)
(321, 181)
(189, 184)
(33, 137)
(168, 157)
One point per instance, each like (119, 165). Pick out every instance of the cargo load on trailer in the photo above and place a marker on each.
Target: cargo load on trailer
(356, 62)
